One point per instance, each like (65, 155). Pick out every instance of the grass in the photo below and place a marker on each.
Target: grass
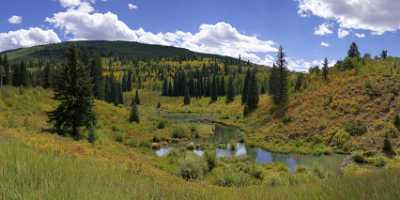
(121, 165)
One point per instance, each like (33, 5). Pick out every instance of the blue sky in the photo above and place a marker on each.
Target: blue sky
(307, 29)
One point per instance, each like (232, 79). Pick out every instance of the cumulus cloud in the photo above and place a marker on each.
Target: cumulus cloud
(15, 19)
(360, 35)
(220, 38)
(342, 33)
(324, 44)
(27, 38)
(132, 7)
(323, 29)
(376, 16)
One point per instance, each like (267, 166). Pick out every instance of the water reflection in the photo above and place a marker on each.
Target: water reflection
(164, 151)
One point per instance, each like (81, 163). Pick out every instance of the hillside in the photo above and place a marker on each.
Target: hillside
(131, 50)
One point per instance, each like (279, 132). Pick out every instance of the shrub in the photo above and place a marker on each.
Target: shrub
(192, 167)
(387, 147)
(355, 128)
(210, 159)
(178, 133)
(397, 121)
(359, 158)
(227, 178)
(92, 137)
(119, 138)
(161, 125)
(340, 137)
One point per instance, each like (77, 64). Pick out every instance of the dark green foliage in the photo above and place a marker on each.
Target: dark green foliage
(355, 128)
(279, 83)
(47, 81)
(214, 89)
(96, 72)
(92, 137)
(161, 125)
(137, 98)
(186, 99)
(384, 54)
(246, 86)
(397, 121)
(165, 91)
(252, 92)
(387, 146)
(178, 133)
(230, 94)
(134, 116)
(353, 51)
(73, 90)
(20, 75)
(325, 70)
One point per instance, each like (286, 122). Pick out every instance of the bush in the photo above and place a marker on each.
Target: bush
(387, 147)
(227, 178)
(119, 138)
(178, 133)
(192, 167)
(359, 158)
(210, 159)
(355, 128)
(92, 137)
(340, 137)
(397, 121)
(161, 125)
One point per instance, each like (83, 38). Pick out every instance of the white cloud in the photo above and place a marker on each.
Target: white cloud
(342, 33)
(220, 38)
(360, 35)
(323, 29)
(377, 16)
(15, 19)
(324, 44)
(27, 38)
(70, 3)
(132, 7)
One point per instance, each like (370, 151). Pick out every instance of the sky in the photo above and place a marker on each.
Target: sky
(308, 30)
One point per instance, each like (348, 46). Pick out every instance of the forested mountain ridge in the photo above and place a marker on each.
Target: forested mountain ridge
(121, 49)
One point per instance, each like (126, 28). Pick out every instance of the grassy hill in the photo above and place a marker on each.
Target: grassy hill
(36, 164)
(133, 50)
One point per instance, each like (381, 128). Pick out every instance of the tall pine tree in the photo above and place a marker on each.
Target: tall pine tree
(74, 91)
(325, 69)
(230, 94)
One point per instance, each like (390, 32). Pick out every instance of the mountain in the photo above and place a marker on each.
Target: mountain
(132, 50)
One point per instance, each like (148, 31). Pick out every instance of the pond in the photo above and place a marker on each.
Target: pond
(223, 134)
(262, 156)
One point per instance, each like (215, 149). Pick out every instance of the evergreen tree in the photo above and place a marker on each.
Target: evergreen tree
(384, 54)
(74, 91)
(47, 77)
(186, 99)
(92, 136)
(221, 85)
(165, 87)
(214, 88)
(230, 94)
(273, 80)
(7, 73)
(280, 91)
(96, 72)
(253, 93)
(387, 146)
(246, 86)
(353, 51)
(129, 81)
(325, 70)
(137, 98)
(134, 116)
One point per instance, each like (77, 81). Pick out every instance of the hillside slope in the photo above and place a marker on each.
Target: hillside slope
(355, 110)
(133, 50)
